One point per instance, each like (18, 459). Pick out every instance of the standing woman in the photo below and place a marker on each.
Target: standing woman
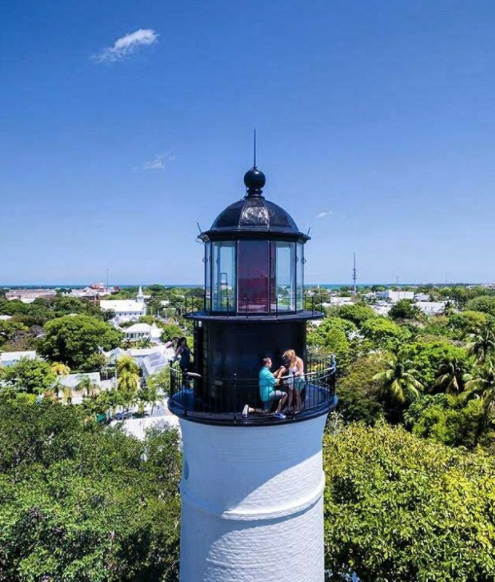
(295, 369)
(183, 356)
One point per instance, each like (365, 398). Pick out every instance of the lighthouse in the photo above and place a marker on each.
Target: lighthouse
(252, 484)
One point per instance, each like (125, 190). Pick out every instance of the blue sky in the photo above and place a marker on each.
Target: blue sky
(377, 114)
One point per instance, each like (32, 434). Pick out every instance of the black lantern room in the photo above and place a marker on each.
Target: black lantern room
(254, 302)
(254, 257)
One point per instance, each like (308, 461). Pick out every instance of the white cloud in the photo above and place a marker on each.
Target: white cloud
(158, 162)
(126, 45)
(323, 214)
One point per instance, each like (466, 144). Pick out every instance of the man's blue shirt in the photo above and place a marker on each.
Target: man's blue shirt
(267, 382)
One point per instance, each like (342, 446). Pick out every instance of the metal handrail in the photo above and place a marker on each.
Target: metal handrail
(220, 399)
(254, 380)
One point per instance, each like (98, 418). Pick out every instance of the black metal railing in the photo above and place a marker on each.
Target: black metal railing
(219, 400)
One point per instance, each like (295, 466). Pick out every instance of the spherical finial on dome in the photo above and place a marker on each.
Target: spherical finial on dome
(254, 180)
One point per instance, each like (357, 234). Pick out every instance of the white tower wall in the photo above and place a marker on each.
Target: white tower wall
(252, 503)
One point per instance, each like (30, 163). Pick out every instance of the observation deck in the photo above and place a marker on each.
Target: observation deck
(220, 401)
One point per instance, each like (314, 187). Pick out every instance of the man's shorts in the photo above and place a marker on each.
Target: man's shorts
(275, 395)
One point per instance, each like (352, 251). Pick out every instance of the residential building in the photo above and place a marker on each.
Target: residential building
(11, 358)
(165, 354)
(140, 331)
(381, 307)
(126, 309)
(29, 295)
(431, 307)
(395, 296)
(339, 301)
(73, 382)
(421, 297)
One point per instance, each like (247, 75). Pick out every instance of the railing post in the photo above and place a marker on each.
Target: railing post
(235, 397)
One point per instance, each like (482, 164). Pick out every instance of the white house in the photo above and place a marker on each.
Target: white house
(381, 307)
(140, 331)
(11, 358)
(421, 297)
(431, 307)
(151, 360)
(126, 309)
(339, 301)
(72, 381)
(156, 362)
(5, 317)
(395, 296)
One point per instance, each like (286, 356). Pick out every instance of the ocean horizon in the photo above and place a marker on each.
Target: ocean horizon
(192, 286)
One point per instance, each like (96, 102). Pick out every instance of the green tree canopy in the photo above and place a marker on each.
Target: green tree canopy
(359, 392)
(318, 334)
(8, 330)
(467, 322)
(171, 331)
(404, 309)
(449, 420)
(485, 304)
(31, 376)
(73, 339)
(428, 357)
(85, 503)
(401, 509)
(358, 313)
(383, 333)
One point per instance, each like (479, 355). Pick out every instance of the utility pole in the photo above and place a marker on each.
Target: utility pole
(354, 277)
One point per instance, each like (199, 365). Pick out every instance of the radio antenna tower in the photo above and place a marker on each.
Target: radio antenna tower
(354, 277)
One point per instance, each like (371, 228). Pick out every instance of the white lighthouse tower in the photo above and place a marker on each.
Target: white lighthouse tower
(252, 486)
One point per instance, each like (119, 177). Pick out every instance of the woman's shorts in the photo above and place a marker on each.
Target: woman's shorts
(299, 384)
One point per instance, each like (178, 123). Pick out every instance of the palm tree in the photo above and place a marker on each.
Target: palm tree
(66, 395)
(482, 344)
(151, 394)
(60, 369)
(399, 379)
(127, 380)
(481, 384)
(126, 365)
(87, 385)
(145, 342)
(450, 376)
(449, 308)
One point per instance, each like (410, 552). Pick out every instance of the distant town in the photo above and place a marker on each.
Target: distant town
(87, 373)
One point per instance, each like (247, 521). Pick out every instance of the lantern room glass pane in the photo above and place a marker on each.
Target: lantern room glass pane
(223, 276)
(208, 276)
(300, 277)
(285, 276)
(253, 276)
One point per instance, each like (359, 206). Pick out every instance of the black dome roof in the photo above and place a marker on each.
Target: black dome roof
(254, 214)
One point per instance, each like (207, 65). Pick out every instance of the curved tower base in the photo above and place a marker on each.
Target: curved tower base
(252, 503)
